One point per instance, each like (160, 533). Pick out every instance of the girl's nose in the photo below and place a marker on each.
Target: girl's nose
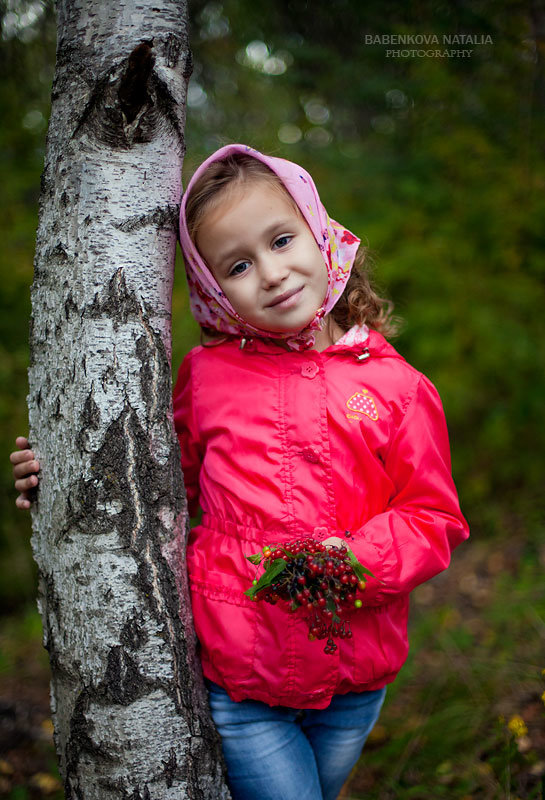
(273, 270)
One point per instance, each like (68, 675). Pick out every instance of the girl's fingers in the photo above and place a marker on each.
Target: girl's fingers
(24, 463)
(22, 502)
(24, 484)
(25, 468)
(19, 456)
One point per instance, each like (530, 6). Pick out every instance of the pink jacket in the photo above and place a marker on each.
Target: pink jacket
(281, 444)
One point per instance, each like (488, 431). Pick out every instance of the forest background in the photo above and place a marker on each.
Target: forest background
(433, 152)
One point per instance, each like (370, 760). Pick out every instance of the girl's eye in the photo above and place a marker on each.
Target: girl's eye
(282, 241)
(239, 268)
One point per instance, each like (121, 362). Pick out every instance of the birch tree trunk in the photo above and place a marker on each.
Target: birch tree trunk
(129, 708)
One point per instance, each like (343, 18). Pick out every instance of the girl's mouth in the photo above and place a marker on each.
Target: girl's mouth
(286, 300)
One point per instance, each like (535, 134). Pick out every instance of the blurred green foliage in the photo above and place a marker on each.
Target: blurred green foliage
(436, 162)
(27, 59)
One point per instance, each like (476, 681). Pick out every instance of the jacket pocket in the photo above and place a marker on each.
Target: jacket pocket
(217, 565)
(225, 619)
(381, 640)
(226, 632)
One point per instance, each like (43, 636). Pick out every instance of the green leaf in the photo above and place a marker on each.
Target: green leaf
(255, 559)
(267, 578)
(358, 568)
(330, 605)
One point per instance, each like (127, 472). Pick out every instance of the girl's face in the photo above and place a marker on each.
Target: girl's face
(264, 257)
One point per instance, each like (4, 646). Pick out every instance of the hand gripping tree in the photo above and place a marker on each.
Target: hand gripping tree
(110, 522)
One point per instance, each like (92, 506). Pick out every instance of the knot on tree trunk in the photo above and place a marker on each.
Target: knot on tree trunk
(133, 91)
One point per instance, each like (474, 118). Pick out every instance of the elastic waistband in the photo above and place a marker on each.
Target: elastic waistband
(260, 535)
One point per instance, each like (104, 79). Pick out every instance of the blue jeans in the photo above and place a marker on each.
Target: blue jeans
(278, 753)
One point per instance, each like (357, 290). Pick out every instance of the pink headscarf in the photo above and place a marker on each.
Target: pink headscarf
(210, 306)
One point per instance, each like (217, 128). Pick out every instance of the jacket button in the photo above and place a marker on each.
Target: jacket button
(310, 455)
(309, 369)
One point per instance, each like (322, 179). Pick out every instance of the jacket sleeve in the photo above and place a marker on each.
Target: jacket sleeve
(411, 540)
(185, 424)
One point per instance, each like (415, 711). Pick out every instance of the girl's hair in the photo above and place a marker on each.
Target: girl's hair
(359, 302)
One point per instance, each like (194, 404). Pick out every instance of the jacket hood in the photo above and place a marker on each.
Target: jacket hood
(338, 246)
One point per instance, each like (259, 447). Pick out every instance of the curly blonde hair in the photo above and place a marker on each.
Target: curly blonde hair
(359, 303)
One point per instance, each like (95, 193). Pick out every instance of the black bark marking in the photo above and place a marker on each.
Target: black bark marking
(116, 785)
(52, 600)
(137, 796)
(51, 607)
(148, 369)
(155, 381)
(91, 413)
(165, 217)
(70, 307)
(191, 769)
(49, 265)
(72, 793)
(32, 357)
(122, 682)
(188, 66)
(58, 254)
(116, 302)
(170, 768)
(79, 741)
(46, 186)
(170, 48)
(134, 635)
(109, 375)
(57, 411)
(90, 419)
(92, 110)
(143, 580)
(168, 107)
(81, 499)
(133, 94)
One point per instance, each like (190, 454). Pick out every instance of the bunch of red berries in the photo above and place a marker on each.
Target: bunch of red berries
(323, 580)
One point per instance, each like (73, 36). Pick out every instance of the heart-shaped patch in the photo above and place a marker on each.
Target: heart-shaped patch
(363, 403)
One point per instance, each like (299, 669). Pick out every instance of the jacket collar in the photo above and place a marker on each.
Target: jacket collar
(359, 341)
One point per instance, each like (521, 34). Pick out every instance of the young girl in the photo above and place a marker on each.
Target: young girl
(296, 419)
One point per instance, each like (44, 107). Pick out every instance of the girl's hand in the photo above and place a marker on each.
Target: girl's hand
(24, 468)
(334, 541)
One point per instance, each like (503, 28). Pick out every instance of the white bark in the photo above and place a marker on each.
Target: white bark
(129, 709)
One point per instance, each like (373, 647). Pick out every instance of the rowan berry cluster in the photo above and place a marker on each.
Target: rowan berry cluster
(322, 580)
